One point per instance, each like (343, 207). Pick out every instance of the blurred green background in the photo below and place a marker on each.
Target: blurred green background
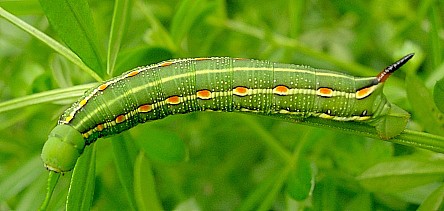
(226, 161)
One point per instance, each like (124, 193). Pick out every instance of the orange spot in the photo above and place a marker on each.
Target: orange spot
(83, 102)
(102, 87)
(325, 92)
(362, 93)
(204, 94)
(120, 119)
(133, 73)
(281, 90)
(240, 91)
(173, 100)
(164, 64)
(144, 108)
(100, 127)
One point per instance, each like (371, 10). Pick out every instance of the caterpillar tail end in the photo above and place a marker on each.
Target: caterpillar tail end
(62, 149)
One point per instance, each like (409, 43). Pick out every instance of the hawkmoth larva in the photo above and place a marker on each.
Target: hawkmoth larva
(223, 84)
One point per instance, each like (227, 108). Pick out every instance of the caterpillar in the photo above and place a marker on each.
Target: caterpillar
(220, 84)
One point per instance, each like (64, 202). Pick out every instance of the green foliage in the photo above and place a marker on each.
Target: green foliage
(438, 94)
(72, 21)
(52, 52)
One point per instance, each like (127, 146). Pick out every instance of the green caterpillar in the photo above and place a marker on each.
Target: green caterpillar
(220, 84)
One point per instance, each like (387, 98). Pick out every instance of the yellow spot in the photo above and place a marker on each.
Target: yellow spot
(325, 92)
(68, 118)
(82, 102)
(280, 90)
(144, 108)
(240, 91)
(204, 94)
(173, 100)
(120, 119)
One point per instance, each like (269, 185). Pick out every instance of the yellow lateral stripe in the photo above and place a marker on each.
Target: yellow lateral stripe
(190, 74)
(183, 99)
(102, 126)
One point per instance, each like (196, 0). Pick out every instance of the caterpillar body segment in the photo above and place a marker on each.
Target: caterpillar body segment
(220, 84)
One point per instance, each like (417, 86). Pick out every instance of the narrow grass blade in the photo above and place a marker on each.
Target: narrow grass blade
(53, 178)
(70, 94)
(121, 16)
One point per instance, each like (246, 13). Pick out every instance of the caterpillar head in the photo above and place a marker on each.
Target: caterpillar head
(64, 145)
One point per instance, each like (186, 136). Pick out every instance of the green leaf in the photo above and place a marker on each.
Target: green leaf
(49, 42)
(145, 185)
(121, 17)
(124, 153)
(53, 178)
(438, 95)
(22, 7)
(362, 202)
(160, 145)
(73, 22)
(81, 190)
(401, 174)
(423, 106)
(300, 180)
(435, 201)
